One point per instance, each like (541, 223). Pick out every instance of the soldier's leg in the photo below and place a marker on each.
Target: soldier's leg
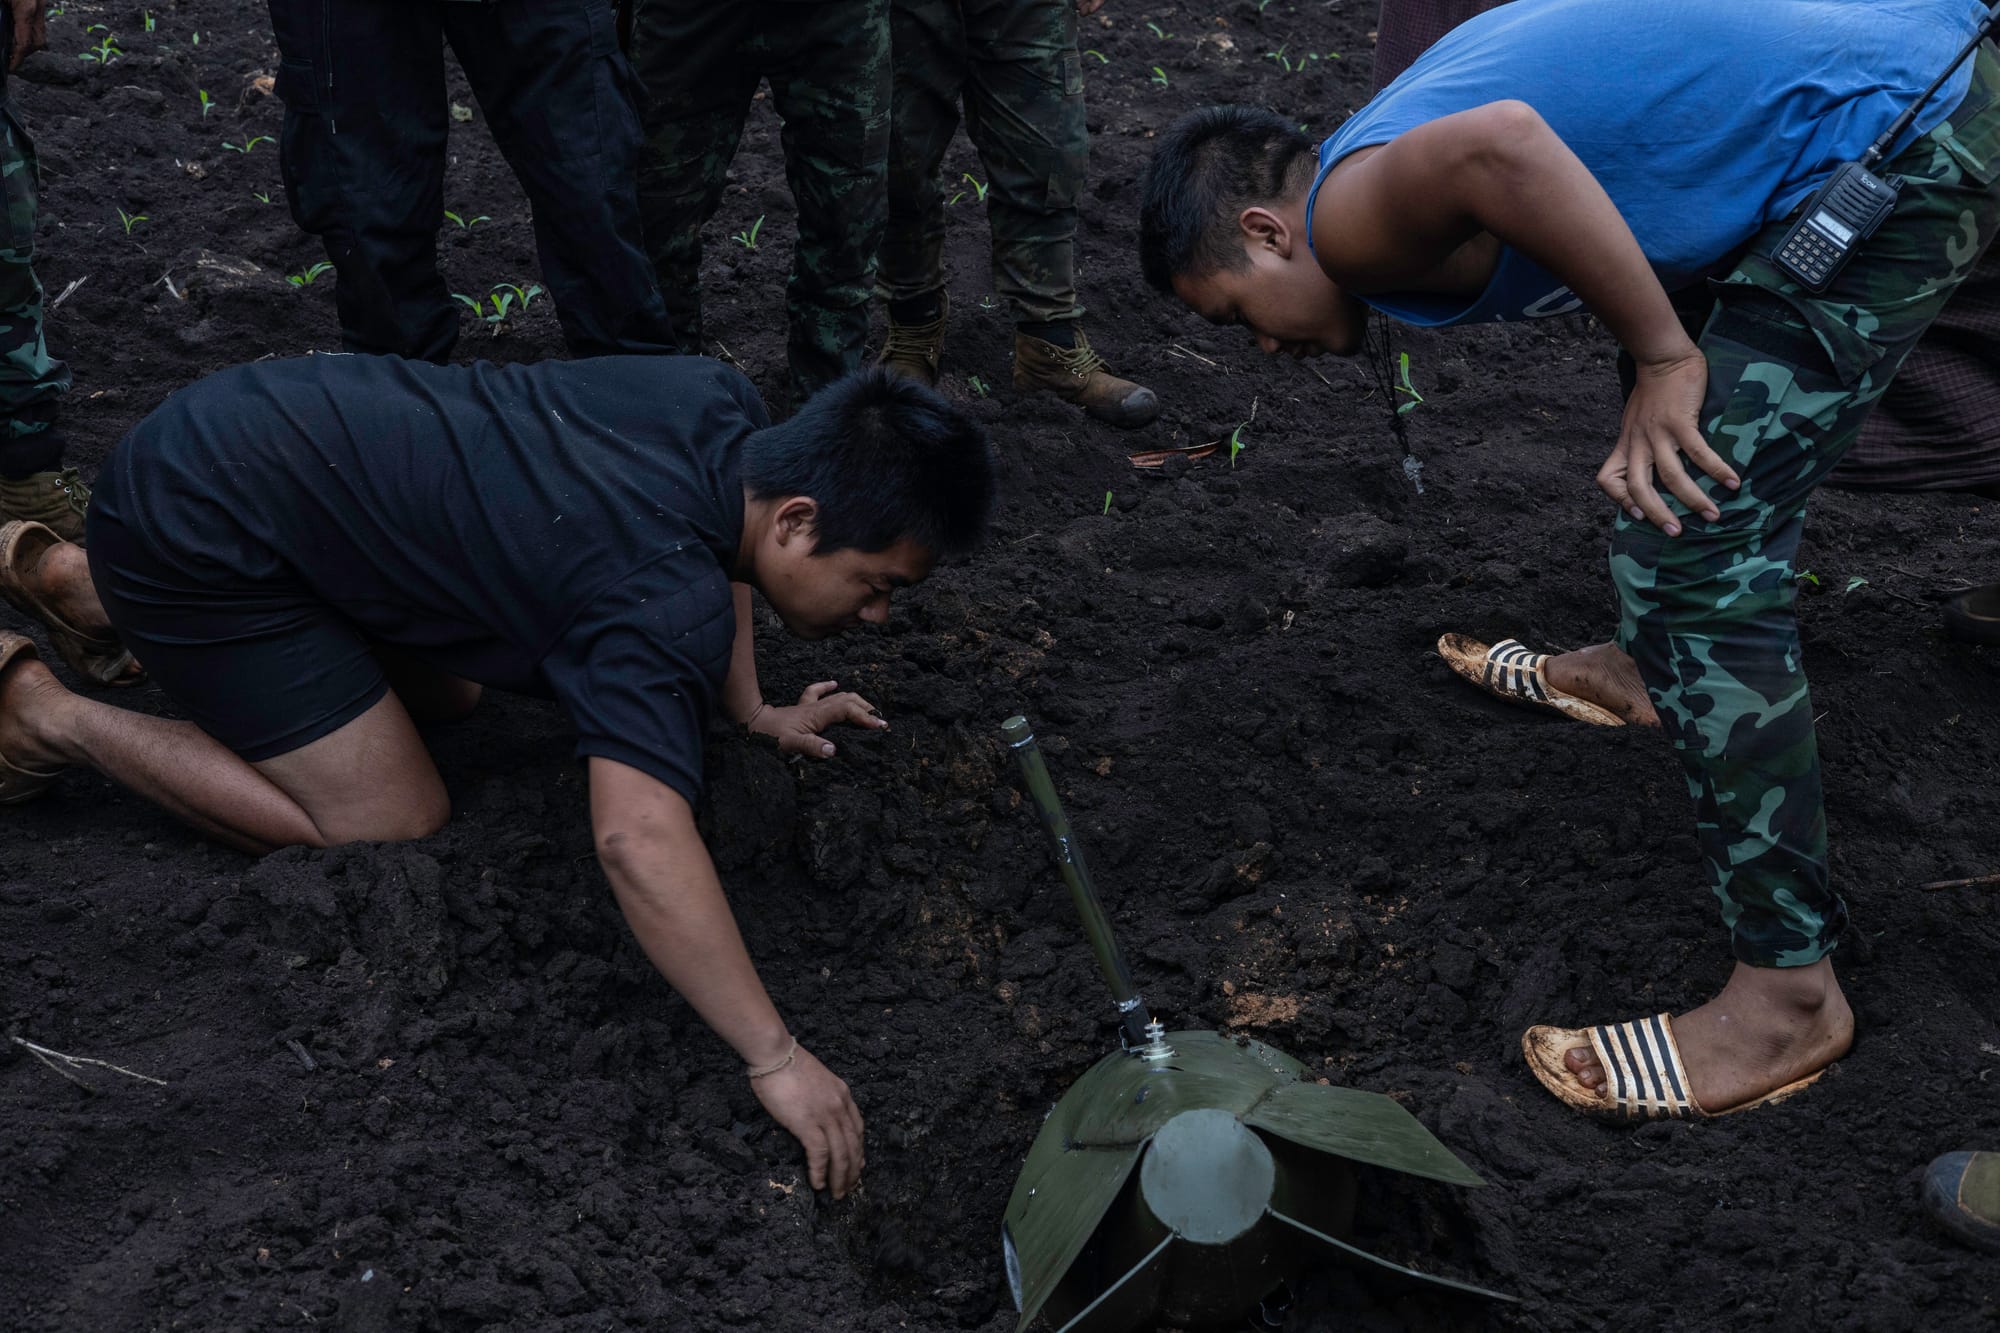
(1024, 112)
(830, 80)
(563, 108)
(1708, 615)
(34, 484)
(927, 52)
(697, 70)
(362, 156)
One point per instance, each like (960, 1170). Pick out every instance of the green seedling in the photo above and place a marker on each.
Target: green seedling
(195, 40)
(131, 220)
(1160, 33)
(1403, 369)
(207, 102)
(1102, 59)
(147, 18)
(1280, 56)
(954, 199)
(1263, 5)
(503, 303)
(95, 27)
(466, 224)
(260, 196)
(103, 54)
(523, 297)
(1854, 581)
(309, 276)
(1159, 76)
(1107, 502)
(748, 239)
(1807, 576)
(249, 144)
(977, 188)
(978, 385)
(1236, 443)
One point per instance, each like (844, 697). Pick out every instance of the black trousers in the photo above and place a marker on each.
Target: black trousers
(363, 157)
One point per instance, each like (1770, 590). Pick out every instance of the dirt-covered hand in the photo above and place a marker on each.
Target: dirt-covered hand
(813, 1103)
(1086, 8)
(1662, 422)
(797, 729)
(31, 30)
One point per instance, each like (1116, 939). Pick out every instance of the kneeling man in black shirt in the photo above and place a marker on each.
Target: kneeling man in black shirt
(304, 554)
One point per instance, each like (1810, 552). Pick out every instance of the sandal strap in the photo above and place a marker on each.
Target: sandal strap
(1648, 1080)
(1514, 668)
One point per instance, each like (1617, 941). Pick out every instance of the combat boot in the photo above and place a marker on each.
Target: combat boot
(1078, 375)
(915, 351)
(55, 499)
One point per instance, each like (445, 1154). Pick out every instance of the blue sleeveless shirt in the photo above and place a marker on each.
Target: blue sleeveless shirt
(1702, 119)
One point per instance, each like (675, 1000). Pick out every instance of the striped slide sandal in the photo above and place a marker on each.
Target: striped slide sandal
(1645, 1077)
(1510, 670)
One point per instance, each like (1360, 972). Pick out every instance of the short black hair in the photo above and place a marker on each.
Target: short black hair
(1209, 166)
(886, 460)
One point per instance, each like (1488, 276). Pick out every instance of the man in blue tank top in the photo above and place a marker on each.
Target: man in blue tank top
(1560, 155)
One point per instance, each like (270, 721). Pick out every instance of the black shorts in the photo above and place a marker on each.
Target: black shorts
(240, 645)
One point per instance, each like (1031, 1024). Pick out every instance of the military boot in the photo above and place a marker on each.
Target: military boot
(914, 351)
(56, 499)
(1078, 375)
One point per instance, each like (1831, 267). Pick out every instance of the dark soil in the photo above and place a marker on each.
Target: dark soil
(436, 1086)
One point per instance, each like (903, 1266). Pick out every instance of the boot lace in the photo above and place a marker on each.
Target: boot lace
(1081, 359)
(918, 342)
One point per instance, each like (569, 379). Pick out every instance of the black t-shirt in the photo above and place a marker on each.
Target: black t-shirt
(564, 528)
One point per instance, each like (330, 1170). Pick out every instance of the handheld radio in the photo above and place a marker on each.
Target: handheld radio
(1846, 210)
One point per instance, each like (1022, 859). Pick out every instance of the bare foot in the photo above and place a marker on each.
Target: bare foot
(1770, 1026)
(1608, 678)
(61, 579)
(32, 704)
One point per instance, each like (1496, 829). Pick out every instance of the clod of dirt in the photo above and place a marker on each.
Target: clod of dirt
(1365, 552)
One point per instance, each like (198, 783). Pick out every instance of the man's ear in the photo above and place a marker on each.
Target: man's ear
(1263, 229)
(796, 520)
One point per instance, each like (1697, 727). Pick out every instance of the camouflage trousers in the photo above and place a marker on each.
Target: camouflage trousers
(1708, 615)
(1015, 68)
(30, 379)
(828, 68)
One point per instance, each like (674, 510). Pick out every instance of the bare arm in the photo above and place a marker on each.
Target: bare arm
(741, 694)
(666, 886)
(1390, 218)
(797, 728)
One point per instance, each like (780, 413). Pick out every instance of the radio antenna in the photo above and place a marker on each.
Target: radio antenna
(1902, 122)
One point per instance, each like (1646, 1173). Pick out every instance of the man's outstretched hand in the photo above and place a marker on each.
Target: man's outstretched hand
(1662, 422)
(31, 30)
(813, 1103)
(797, 729)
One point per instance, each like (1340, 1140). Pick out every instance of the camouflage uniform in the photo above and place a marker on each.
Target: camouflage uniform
(828, 67)
(31, 380)
(1708, 616)
(366, 138)
(1016, 68)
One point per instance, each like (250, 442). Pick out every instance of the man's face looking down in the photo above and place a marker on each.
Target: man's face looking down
(1280, 294)
(821, 595)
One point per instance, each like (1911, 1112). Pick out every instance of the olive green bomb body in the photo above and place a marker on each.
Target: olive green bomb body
(1187, 1176)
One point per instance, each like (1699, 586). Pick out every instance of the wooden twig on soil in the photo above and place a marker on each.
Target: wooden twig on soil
(1177, 349)
(70, 290)
(1973, 882)
(73, 1062)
